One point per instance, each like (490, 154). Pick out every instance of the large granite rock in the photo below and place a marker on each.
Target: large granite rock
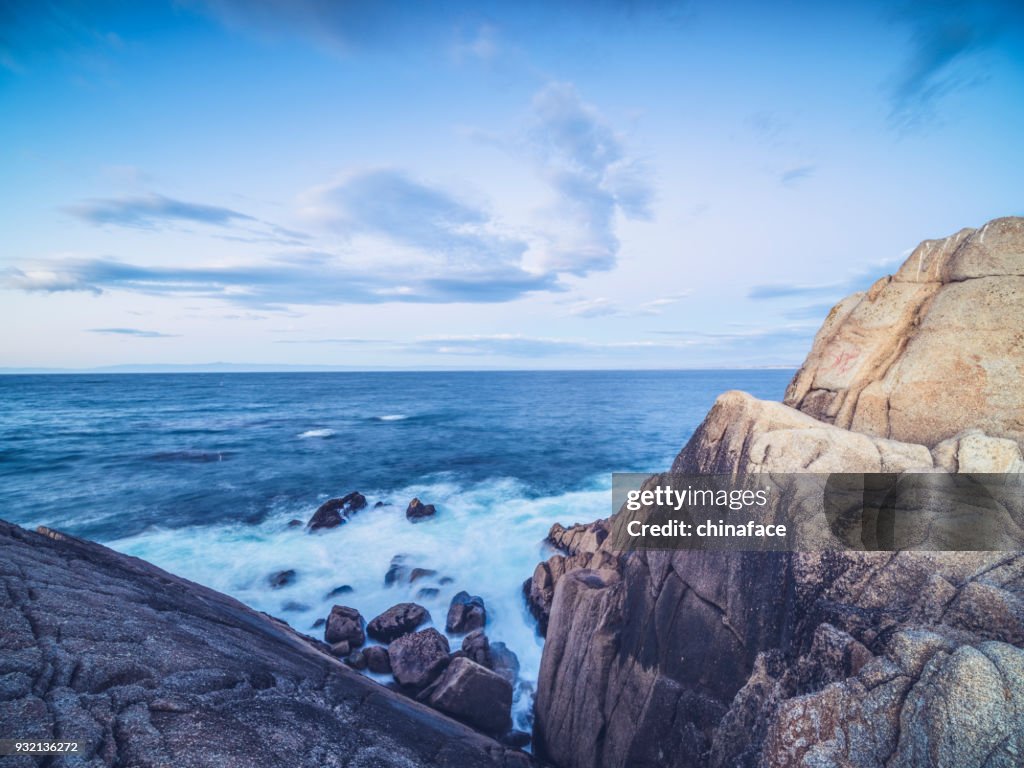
(148, 670)
(475, 695)
(817, 658)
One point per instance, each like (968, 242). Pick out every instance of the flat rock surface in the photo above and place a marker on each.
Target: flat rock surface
(148, 669)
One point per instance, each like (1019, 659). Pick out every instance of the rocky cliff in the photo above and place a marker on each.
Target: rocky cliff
(147, 669)
(855, 659)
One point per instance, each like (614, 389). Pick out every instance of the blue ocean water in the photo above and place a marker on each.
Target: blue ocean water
(200, 473)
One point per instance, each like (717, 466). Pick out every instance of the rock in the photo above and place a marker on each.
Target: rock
(477, 648)
(420, 573)
(466, 613)
(356, 660)
(474, 695)
(817, 658)
(319, 623)
(280, 579)
(340, 649)
(145, 668)
(294, 523)
(293, 606)
(417, 511)
(344, 589)
(504, 662)
(418, 658)
(396, 621)
(516, 739)
(345, 624)
(427, 593)
(377, 659)
(335, 512)
(378, 505)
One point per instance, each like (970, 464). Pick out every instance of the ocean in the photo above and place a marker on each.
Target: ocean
(200, 473)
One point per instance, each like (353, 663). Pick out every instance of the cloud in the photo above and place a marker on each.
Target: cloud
(139, 334)
(793, 176)
(149, 211)
(857, 281)
(787, 290)
(602, 307)
(513, 345)
(276, 284)
(585, 163)
(947, 39)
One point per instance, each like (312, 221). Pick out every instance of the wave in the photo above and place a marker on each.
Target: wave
(487, 538)
(317, 433)
(202, 457)
(392, 417)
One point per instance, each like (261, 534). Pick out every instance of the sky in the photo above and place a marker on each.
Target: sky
(477, 185)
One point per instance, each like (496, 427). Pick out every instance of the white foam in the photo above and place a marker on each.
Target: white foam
(393, 417)
(317, 433)
(487, 539)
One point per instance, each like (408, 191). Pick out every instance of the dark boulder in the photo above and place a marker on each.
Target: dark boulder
(293, 606)
(417, 659)
(420, 573)
(345, 624)
(398, 571)
(378, 505)
(466, 613)
(417, 510)
(356, 660)
(280, 579)
(334, 512)
(318, 623)
(344, 589)
(427, 593)
(377, 659)
(341, 649)
(294, 523)
(516, 739)
(477, 648)
(504, 662)
(475, 695)
(396, 621)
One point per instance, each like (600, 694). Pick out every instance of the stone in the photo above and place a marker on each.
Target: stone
(420, 573)
(516, 739)
(340, 649)
(417, 511)
(335, 512)
(345, 624)
(477, 648)
(356, 660)
(504, 662)
(280, 579)
(396, 621)
(466, 613)
(427, 593)
(475, 695)
(377, 660)
(344, 589)
(146, 668)
(418, 658)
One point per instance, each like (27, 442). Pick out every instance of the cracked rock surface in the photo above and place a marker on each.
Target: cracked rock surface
(147, 669)
(841, 658)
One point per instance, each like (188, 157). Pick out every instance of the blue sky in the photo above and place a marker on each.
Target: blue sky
(483, 185)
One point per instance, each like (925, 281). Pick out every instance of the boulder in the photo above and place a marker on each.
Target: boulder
(377, 659)
(344, 589)
(466, 613)
(340, 649)
(475, 695)
(356, 660)
(396, 621)
(345, 624)
(477, 648)
(417, 511)
(280, 579)
(504, 662)
(418, 658)
(427, 593)
(335, 512)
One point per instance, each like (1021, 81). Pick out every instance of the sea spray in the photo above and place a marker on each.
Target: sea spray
(486, 538)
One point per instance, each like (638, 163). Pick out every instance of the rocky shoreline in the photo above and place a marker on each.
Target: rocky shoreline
(855, 659)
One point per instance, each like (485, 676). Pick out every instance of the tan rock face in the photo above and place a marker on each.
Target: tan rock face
(931, 351)
(860, 659)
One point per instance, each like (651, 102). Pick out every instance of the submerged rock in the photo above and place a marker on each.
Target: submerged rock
(344, 589)
(466, 613)
(396, 621)
(345, 624)
(335, 512)
(280, 579)
(417, 510)
(417, 659)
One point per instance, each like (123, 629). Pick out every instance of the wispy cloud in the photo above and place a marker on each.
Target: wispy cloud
(586, 164)
(137, 333)
(793, 176)
(947, 39)
(151, 210)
